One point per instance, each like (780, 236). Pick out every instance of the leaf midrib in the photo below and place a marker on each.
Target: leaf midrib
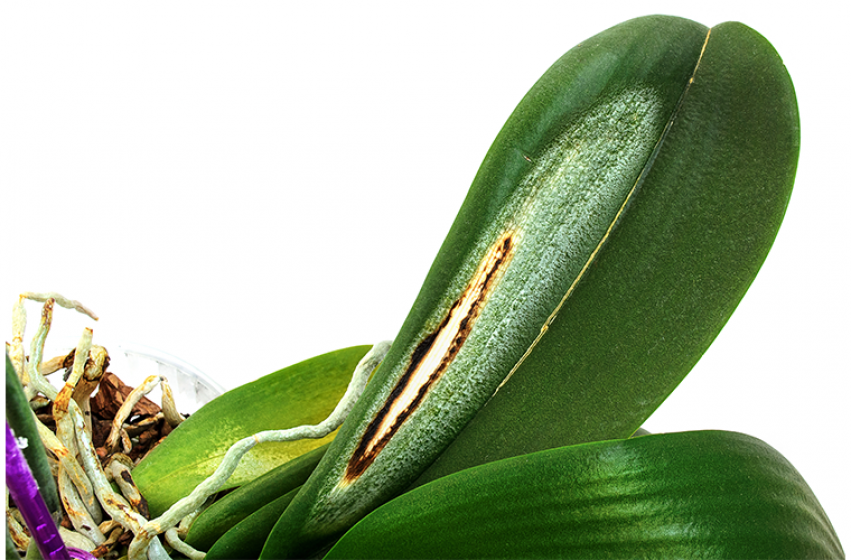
(627, 200)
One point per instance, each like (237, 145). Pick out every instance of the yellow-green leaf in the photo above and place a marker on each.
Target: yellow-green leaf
(304, 393)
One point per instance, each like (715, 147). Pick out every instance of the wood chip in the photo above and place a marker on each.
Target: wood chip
(112, 393)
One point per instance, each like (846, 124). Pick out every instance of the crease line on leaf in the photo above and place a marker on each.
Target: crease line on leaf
(644, 171)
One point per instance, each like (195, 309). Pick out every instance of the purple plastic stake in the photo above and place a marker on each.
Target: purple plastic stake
(24, 490)
(80, 554)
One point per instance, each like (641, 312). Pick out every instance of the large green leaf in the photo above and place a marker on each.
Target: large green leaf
(674, 268)
(304, 393)
(685, 495)
(615, 224)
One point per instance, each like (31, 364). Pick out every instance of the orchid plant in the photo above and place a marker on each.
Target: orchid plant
(616, 222)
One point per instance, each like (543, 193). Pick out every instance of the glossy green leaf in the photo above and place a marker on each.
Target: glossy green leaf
(225, 513)
(685, 495)
(615, 224)
(675, 267)
(304, 393)
(246, 538)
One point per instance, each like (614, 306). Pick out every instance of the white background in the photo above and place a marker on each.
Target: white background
(246, 185)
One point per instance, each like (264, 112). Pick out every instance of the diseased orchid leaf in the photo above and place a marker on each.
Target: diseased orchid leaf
(674, 268)
(616, 222)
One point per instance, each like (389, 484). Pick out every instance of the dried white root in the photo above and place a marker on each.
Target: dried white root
(19, 324)
(90, 381)
(118, 469)
(61, 300)
(67, 461)
(186, 522)
(174, 541)
(81, 356)
(51, 366)
(77, 511)
(16, 528)
(172, 416)
(32, 380)
(81, 487)
(126, 408)
(72, 538)
(114, 504)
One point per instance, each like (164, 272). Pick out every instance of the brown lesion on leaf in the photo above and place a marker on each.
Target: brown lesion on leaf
(431, 358)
